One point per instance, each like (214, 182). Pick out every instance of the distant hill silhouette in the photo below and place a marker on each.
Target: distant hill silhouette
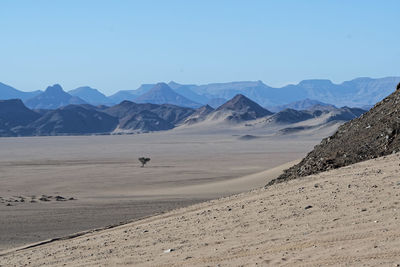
(184, 90)
(161, 93)
(7, 92)
(130, 95)
(54, 97)
(357, 92)
(91, 96)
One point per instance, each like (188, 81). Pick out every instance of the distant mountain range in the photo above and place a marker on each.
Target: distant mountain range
(91, 96)
(130, 117)
(300, 105)
(335, 114)
(54, 97)
(360, 92)
(161, 93)
(135, 117)
(8, 92)
(162, 106)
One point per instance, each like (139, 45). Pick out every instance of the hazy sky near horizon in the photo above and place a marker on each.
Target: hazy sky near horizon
(118, 45)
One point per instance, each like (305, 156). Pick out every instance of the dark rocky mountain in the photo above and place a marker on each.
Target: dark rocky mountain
(322, 108)
(170, 114)
(7, 92)
(345, 114)
(199, 115)
(13, 113)
(144, 121)
(330, 114)
(375, 133)
(53, 98)
(240, 108)
(292, 116)
(71, 120)
(91, 96)
(161, 93)
(42, 111)
(304, 104)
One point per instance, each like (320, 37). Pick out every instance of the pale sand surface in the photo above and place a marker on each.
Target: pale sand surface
(103, 174)
(353, 221)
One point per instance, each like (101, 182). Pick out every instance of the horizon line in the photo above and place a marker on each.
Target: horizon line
(205, 84)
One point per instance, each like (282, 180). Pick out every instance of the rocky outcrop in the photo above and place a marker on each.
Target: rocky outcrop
(374, 134)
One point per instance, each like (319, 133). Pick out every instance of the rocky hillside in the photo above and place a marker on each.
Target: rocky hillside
(374, 134)
(148, 117)
(13, 113)
(199, 115)
(70, 120)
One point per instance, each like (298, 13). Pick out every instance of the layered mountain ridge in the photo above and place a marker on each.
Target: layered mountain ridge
(359, 92)
(130, 117)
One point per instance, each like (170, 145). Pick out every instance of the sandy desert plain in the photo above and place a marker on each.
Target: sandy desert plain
(39, 176)
(346, 217)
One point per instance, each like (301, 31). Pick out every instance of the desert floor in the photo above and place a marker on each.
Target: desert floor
(39, 176)
(347, 217)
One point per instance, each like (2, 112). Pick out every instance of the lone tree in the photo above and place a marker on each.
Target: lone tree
(144, 160)
(398, 87)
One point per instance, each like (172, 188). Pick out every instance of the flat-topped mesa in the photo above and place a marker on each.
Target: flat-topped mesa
(375, 133)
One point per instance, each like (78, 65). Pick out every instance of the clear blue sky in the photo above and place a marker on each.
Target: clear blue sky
(115, 45)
